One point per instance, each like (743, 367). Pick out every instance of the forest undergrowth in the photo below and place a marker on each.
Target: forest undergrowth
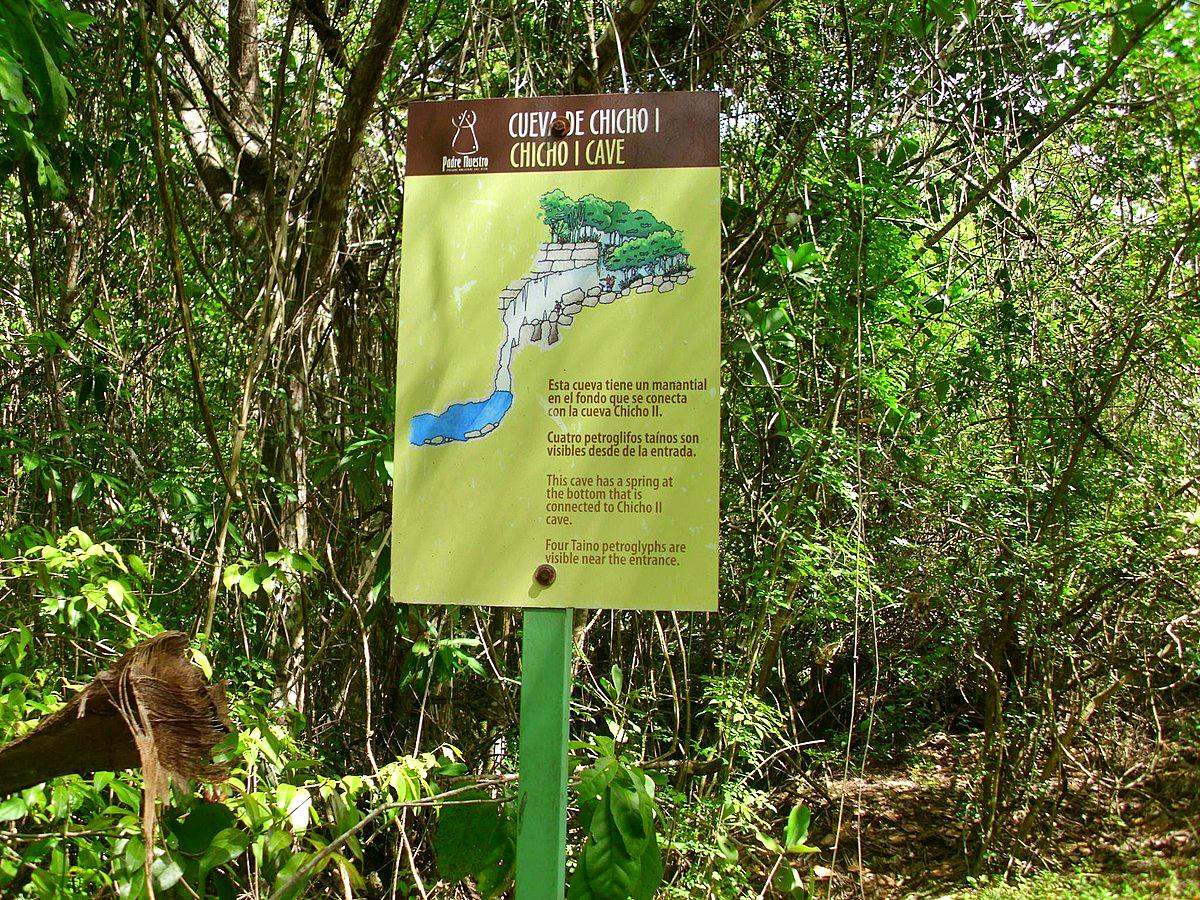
(1139, 839)
(959, 629)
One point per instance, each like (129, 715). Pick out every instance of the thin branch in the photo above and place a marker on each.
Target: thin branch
(337, 167)
(588, 77)
(1081, 104)
(150, 70)
(316, 14)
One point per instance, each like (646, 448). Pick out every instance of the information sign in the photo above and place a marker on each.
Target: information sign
(558, 376)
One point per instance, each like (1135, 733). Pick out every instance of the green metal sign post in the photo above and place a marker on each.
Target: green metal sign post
(542, 789)
(593, 460)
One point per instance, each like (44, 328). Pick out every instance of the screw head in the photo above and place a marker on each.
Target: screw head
(559, 127)
(544, 575)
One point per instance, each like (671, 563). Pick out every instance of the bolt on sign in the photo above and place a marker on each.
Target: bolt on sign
(557, 398)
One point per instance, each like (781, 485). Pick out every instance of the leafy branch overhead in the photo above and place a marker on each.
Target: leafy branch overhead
(35, 40)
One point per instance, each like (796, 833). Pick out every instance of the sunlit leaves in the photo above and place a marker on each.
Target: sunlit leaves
(620, 858)
(35, 41)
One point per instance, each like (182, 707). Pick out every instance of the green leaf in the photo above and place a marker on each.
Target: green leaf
(345, 816)
(78, 19)
(247, 583)
(773, 320)
(611, 865)
(13, 808)
(167, 873)
(135, 854)
(352, 873)
(200, 658)
(496, 876)
(1118, 40)
(253, 579)
(290, 868)
(134, 888)
(138, 567)
(48, 83)
(1140, 11)
(276, 850)
(943, 9)
(117, 591)
(625, 806)
(12, 89)
(311, 560)
(652, 872)
(226, 846)
(728, 851)
(221, 887)
(797, 826)
(197, 830)
(805, 255)
(768, 842)
(83, 489)
(470, 838)
(295, 803)
(595, 780)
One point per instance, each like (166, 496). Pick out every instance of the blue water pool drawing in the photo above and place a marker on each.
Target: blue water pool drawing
(460, 421)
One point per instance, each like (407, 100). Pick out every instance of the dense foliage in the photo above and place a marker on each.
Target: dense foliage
(961, 448)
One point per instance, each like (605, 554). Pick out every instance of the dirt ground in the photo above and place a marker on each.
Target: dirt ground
(901, 831)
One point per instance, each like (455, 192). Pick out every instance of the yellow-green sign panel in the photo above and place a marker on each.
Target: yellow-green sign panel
(558, 377)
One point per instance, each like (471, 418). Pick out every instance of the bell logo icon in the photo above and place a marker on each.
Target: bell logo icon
(464, 146)
(465, 142)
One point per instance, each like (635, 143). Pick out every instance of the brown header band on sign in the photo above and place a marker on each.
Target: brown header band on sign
(562, 134)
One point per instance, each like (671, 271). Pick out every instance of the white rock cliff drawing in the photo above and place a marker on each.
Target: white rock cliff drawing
(599, 252)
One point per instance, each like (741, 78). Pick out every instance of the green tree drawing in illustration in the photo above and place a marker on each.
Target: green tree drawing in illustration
(631, 256)
(561, 215)
(660, 253)
(595, 216)
(638, 224)
(618, 221)
(639, 243)
(666, 250)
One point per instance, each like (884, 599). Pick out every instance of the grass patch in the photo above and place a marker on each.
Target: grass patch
(1174, 880)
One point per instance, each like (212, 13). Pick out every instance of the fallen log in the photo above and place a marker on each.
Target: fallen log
(151, 708)
(152, 702)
